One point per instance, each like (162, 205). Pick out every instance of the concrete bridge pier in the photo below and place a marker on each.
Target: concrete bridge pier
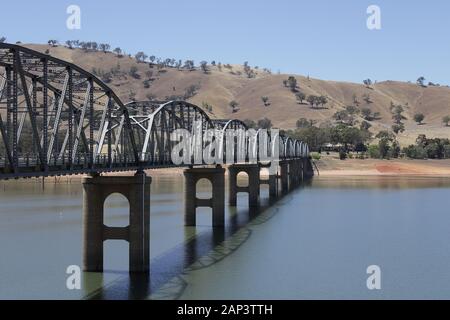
(308, 170)
(300, 170)
(217, 202)
(293, 174)
(95, 191)
(284, 176)
(272, 181)
(299, 166)
(253, 172)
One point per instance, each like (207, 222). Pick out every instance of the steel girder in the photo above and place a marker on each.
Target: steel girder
(57, 119)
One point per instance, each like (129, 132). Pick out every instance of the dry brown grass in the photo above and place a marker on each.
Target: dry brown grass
(218, 88)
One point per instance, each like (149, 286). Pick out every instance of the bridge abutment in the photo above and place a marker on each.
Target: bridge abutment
(96, 190)
(217, 201)
(253, 190)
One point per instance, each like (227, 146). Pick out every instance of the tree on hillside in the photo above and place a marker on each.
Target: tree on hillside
(53, 43)
(204, 67)
(140, 56)
(303, 123)
(234, 106)
(248, 70)
(446, 120)
(265, 123)
(69, 44)
(250, 123)
(398, 127)
(352, 110)
(386, 143)
(344, 117)
(206, 106)
(421, 81)
(134, 72)
(322, 100)
(191, 91)
(365, 126)
(118, 52)
(312, 100)
(292, 83)
(419, 117)
(397, 113)
(189, 65)
(265, 100)
(366, 113)
(367, 83)
(152, 59)
(2, 39)
(300, 97)
(104, 47)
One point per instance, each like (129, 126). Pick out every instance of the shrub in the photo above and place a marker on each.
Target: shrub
(342, 154)
(374, 151)
(415, 152)
(315, 156)
(447, 151)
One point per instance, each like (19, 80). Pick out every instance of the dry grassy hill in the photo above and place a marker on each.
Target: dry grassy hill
(219, 87)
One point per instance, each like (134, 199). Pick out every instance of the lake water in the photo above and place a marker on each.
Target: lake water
(316, 242)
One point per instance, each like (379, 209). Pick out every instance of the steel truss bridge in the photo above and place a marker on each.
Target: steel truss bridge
(58, 119)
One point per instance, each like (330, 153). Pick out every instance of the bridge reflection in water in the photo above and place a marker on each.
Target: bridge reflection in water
(58, 119)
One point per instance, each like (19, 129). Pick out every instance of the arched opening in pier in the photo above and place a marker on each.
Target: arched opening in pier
(116, 210)
(242, 179)
(204, 189)
(264, 188)
(116, 255)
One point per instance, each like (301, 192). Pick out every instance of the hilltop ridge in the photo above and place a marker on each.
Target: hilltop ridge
(214, 89)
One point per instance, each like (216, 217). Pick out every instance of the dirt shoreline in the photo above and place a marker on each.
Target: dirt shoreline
(328, 167)
(375, 167)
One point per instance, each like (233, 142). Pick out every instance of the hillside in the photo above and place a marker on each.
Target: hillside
(221, 85)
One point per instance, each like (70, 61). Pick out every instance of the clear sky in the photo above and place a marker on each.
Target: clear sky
(326, 39)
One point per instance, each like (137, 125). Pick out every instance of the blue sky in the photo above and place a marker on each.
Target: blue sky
(325, 39)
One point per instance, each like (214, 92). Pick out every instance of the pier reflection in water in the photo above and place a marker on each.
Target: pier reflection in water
(40, 233)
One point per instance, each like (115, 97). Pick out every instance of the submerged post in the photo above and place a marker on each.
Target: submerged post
(95, 191)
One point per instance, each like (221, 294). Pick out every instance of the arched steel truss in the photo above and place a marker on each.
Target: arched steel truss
(56, 119)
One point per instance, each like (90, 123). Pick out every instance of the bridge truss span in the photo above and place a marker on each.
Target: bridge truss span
(58, 119)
